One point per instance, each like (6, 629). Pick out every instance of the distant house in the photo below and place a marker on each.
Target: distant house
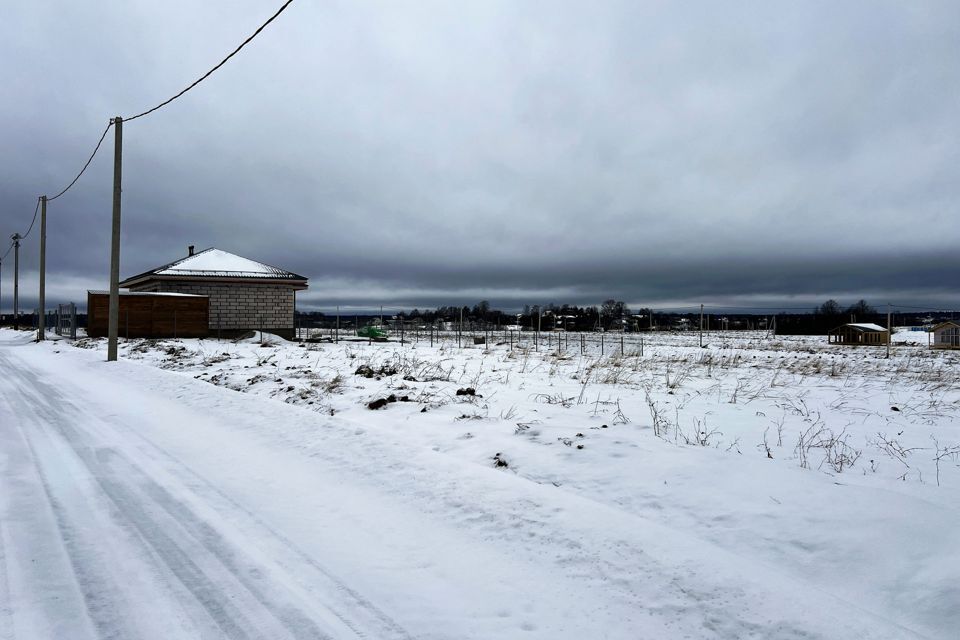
(859, 333)
(243, 294)
(945, 335)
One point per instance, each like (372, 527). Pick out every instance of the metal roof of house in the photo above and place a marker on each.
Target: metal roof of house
(217, 263)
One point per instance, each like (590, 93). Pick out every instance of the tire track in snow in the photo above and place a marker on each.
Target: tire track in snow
(728, 610)
(29, 524)
(675, 588)
(103, 597)
(200, 558)
(360, 608)
(6, 608)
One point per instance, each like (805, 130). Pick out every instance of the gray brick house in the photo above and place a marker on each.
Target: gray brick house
(244, 294)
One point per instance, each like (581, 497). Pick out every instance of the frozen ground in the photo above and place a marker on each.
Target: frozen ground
(769, 488)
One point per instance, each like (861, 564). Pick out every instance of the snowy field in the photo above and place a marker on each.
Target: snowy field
(761, 487)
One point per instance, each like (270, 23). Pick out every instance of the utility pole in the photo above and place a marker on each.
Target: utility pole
(889, 331)
(16, 280)
(42, 319)
(113, 323)
(701, 325)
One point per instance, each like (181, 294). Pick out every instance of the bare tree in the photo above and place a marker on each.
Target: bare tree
(861, 309)
(829, 308)
(612, 310)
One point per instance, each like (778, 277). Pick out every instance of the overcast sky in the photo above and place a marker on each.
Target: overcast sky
(422, 153)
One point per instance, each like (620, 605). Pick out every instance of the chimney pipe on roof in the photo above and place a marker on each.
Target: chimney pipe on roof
(190, 250)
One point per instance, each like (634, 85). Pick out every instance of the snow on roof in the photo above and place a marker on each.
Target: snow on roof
(147, 293)
(216, 262)
(866, 326)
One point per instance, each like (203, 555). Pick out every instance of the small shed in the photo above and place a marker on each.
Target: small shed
(150, 315)
(945, 335)
(859, 333)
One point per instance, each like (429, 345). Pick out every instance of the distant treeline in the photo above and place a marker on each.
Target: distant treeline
(831, 315)
(30, 319)
(615, 315)
(612, 315)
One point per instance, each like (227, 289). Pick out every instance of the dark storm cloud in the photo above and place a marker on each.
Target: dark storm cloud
(424, 153)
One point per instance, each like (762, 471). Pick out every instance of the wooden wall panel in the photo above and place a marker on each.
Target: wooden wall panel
(146, 316)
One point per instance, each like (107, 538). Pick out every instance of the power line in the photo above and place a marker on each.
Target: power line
(164, 103)
(723, 307)
(32, 222)
(67, 188)
(222, 62)
(6, 253)
(903, 306)
(89, 160)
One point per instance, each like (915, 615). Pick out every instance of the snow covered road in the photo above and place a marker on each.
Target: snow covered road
(95, 546)
(140, 503)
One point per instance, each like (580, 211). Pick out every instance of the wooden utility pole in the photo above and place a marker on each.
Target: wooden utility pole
(16, 280)
(113, 322)
(701, 326)
(41, 320)
(889, 331)
(536, 338)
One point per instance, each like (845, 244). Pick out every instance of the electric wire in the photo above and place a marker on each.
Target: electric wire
(724, 307)
(903, 306)
(222, 62)
(67, 188)
(89, 160)
(32, 222)
(140, 115)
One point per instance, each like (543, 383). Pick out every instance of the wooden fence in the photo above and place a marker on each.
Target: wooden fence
(150, 315)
